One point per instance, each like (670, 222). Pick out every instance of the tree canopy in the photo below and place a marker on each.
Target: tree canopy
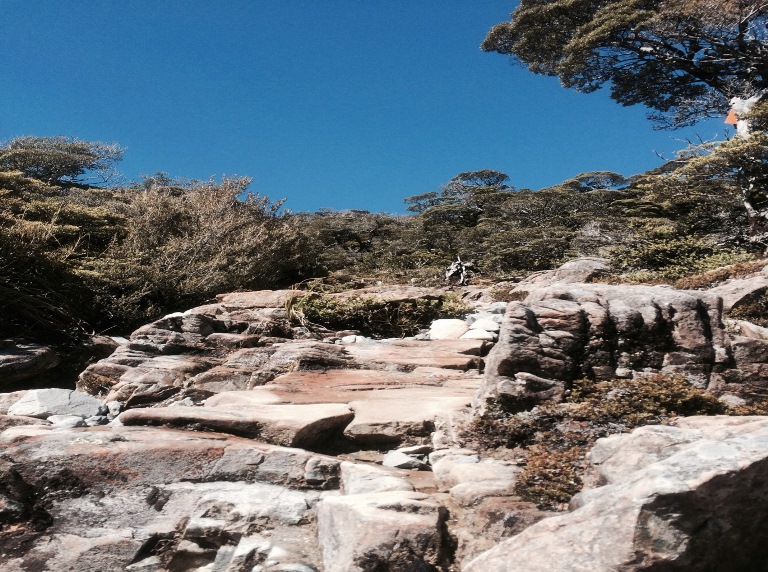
(60, 160)
(685, 59)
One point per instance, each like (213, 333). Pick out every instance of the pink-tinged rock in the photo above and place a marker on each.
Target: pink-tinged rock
(288, 425)
(232, 341)
(8, 399)
(257, 299)
(690, 497)
(575, 271)
(220, 378)
(397, 416)
(736, 292)
(261, 395)
(100, 457)
(397, 530)
(342, 385)
(409, 354)
(14, 420)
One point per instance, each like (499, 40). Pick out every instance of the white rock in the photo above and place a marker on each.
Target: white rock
(486, 324)
(66, 421)
(399, 460)
(447, 329)
(360, 479)
(43, 403)
(478, 335)
(380, 531)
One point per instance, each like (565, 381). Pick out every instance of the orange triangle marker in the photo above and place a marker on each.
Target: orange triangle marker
(732, 119)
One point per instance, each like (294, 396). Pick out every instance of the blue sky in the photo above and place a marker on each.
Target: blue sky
(336, 104)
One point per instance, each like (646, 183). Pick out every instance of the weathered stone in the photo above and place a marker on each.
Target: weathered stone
(14, 420)
(257, 299)
(398, 531)
(408, 354)
(289, 425)
(8, 399)
(566, 332)
(43, 403)
(361, 479)
(737, 292)
(20, 359)
(575, 271)
(232, 341)
(397, 416)
(447, 329)
(685, 498)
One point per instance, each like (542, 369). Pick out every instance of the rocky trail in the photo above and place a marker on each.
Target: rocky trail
(225, 438)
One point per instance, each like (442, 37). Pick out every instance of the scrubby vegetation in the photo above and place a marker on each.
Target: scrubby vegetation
(77, 258)
(553, 439)
(371, 315)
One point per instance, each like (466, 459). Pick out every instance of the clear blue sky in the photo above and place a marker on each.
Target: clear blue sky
(335, 103)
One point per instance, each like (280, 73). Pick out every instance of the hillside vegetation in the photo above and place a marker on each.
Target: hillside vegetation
(77, 258)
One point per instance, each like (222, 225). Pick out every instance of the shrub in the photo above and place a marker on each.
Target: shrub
(553, 438)
(184, 242)
(373, 316)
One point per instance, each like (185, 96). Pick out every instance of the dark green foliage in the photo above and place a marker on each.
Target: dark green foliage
(683, 58)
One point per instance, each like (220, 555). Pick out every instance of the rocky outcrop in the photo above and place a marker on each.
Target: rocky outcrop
(561, 333)
(691, 497)
(394, 530)
(240, 442)
(155, 499)
(578, 271)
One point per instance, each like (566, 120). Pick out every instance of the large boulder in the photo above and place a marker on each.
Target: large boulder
(399, 531)
(128, 498)
(43, 403)
(575, 271)
(691, 497)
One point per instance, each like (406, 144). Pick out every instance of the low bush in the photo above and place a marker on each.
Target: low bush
(553, 438)
(373, 316)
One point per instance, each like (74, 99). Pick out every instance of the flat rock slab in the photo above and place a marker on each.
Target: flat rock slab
(43, 403)
(343, 385)
(105, 457)
(395, 416)
(289, 425)
(257, 299)
(409, 354)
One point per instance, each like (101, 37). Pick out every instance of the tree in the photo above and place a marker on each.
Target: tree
(685, 59)
(468, 193)
(60, 160)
